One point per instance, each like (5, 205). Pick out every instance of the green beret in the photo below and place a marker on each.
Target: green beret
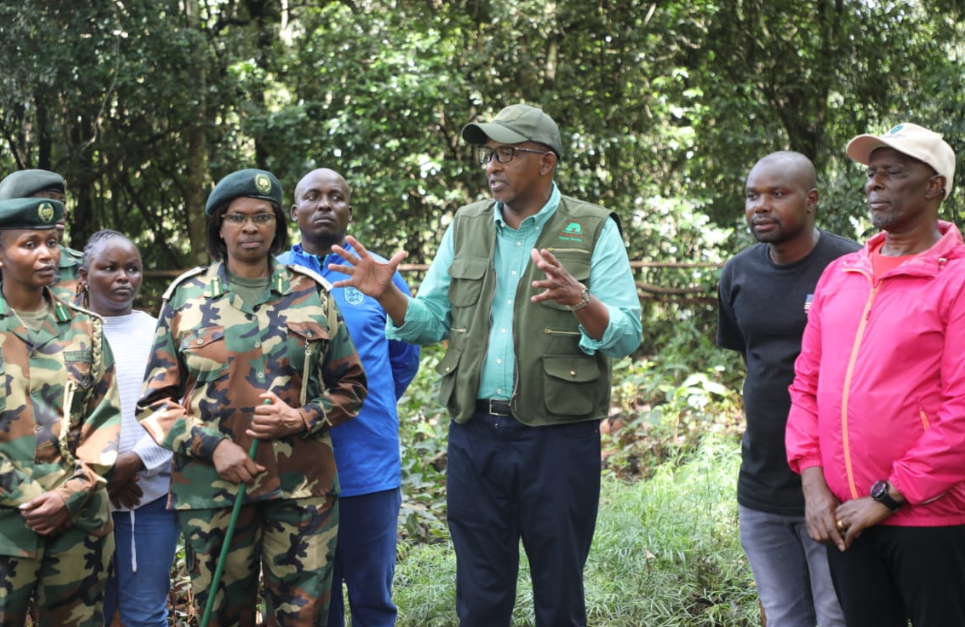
(249, 183)
(26, 183)
(30, 213)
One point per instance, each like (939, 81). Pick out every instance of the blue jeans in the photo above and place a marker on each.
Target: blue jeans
(365, 559)
(790, 569)
(146, 540)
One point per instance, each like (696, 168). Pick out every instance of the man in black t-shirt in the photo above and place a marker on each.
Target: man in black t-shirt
(765, 291)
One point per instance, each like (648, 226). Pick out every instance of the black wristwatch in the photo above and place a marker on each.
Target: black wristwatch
(879, 492)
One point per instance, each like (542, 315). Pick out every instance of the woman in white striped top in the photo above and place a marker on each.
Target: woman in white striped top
(110, 276)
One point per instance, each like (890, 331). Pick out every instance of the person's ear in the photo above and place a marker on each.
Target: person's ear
(548, 163)
(936, 187)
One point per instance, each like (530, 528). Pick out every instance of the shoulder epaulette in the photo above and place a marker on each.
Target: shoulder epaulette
(76, 254)
(311, 273)
(174, 284)
(61, 313)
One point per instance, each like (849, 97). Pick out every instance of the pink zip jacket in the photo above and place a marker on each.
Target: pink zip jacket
(879, 387)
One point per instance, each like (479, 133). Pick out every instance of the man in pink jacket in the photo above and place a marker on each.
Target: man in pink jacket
(877, 423)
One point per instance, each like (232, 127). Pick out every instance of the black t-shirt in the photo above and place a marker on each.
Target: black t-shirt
(762, 313)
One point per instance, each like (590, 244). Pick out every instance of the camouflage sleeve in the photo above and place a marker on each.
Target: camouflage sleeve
(95, 446)
(342, 376)
(16, 487)
(160, 411)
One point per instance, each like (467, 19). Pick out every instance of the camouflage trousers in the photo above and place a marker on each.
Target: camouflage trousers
(67, 578)
(291, 541)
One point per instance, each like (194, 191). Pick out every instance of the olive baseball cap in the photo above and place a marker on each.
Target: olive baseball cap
(250, 183)
(26, 183)
(30, 213)
(912, 140)
(516, 124)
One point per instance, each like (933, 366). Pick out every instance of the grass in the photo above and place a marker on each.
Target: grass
(666, 554)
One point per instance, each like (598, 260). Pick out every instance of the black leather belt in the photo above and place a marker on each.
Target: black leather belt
(493, 406)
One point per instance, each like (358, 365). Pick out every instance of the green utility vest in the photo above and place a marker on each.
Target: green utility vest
(556, 382)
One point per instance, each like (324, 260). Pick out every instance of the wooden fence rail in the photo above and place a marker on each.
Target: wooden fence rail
(647, 291)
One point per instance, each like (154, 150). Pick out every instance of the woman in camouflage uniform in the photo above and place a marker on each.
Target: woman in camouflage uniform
(248, 348)
(59, 426)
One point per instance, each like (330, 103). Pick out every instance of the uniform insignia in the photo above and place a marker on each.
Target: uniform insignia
(45, 211)
(262, 183)
(353, 296)
(311, 273)
(807, 302)
(63, 314)
(174, 284)
(81, 355)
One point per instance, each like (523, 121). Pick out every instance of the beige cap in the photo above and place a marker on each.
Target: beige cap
(914, 141)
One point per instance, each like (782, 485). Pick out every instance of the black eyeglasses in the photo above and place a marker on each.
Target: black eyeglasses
(258, 219)
(503, 154)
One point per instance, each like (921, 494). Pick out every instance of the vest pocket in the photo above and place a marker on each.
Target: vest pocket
(568, 384)
(574, 261)
(447, 369)
(467, 280)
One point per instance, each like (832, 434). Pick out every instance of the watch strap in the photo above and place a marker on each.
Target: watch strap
(584, 300)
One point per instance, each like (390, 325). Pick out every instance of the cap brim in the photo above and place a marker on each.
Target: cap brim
(861, 147)
(479, 134)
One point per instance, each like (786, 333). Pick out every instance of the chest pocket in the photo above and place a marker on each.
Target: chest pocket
(80, 378)
(306, 338)
(467, 279)
(576, 261)
(306, 341)
(205, 354)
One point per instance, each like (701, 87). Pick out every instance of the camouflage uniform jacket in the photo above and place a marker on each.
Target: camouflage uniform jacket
(68, 273)
(213, 355)
(68, 371)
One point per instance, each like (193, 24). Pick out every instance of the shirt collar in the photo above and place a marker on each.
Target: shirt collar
(323, 260)
(538, 219)
(217, 279)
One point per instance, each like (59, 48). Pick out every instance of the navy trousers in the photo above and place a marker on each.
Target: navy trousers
(507, 482)
(365, 559)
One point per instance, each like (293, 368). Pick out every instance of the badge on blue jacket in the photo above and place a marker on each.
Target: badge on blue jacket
(353, 296)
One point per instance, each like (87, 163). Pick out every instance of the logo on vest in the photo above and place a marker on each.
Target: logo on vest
(353, 296)
(572, 233)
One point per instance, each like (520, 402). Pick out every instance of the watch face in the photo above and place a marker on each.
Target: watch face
(879, 489)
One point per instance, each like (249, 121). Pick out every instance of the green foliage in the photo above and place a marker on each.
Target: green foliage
(142, 105)
(424, 434)
(665, 404)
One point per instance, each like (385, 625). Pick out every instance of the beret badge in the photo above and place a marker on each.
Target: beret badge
(45, 211)
(262, 183)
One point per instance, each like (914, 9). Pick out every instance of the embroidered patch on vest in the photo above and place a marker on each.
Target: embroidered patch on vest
(572, 233)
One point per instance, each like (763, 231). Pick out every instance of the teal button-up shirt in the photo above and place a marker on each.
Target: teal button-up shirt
(429, 315)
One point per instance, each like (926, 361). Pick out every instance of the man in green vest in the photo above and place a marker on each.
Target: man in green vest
(533, 291)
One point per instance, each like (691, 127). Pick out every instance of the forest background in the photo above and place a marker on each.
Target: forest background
(142, 105)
